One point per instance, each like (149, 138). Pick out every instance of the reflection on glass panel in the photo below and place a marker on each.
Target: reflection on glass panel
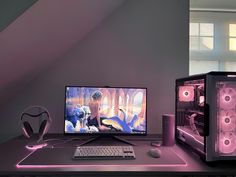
(194, 29)
(194, 43)
(206, 43)
(230, 66)
(201, 66)
(232, 44)
(206, 29)
(232, 30)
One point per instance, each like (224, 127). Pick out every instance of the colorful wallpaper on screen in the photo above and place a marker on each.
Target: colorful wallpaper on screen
(105, 110)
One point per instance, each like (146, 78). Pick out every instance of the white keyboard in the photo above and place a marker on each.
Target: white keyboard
(104, 152)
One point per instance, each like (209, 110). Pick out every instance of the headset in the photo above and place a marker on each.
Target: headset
(35, 112)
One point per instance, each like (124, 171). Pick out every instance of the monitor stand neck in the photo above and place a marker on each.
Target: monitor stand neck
(124, 140)
(113, 137)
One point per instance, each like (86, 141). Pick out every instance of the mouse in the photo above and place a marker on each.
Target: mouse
(155, 152)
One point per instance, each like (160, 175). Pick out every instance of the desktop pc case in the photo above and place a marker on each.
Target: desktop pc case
(206, 114)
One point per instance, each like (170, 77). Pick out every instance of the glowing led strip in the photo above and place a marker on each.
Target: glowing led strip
(191, 136)
(100, 165)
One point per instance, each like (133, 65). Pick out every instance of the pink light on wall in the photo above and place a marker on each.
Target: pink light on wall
(186, 93)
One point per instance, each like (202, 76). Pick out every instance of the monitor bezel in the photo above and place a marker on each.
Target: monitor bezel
(104, 134)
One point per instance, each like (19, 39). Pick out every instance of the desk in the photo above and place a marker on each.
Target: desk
(13, 151)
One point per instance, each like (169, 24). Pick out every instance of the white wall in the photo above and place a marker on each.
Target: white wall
(144, 43)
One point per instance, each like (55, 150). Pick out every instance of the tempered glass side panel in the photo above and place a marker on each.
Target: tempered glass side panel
(225, 144)
(190, 101)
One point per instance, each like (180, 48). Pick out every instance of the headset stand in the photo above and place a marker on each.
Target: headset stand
(36, 144)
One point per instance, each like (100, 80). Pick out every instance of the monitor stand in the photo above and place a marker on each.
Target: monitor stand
(113, 137)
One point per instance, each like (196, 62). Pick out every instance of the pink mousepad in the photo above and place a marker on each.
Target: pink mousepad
(63, 157)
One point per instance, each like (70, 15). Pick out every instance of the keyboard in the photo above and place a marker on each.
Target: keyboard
(104, 153)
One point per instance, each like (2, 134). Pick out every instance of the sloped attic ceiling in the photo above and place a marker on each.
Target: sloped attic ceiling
(42, 34)
(11, 9)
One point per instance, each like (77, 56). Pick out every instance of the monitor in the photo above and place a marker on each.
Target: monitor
(105, 110)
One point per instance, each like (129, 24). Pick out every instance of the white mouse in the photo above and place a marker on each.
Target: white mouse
(155, 152)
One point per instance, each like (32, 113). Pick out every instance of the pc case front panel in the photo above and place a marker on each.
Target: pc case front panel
(225, 144)
(226, 117)
(220, 144)
(190, 102)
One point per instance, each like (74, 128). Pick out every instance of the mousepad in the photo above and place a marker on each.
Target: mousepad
(63, 157)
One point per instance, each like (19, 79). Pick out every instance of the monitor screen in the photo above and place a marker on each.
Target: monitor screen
(109, 110)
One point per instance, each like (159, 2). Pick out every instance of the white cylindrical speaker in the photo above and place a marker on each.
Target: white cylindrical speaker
(168, 129)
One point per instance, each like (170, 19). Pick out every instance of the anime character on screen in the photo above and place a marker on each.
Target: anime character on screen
(95, 105)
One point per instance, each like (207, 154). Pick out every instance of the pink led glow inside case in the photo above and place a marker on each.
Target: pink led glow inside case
(206, 114)
(186, 93)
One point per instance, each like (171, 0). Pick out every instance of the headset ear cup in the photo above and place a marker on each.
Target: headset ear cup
(42, 127)
(27, 129)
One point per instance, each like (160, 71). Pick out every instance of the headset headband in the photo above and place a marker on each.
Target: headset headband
(45, 111)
